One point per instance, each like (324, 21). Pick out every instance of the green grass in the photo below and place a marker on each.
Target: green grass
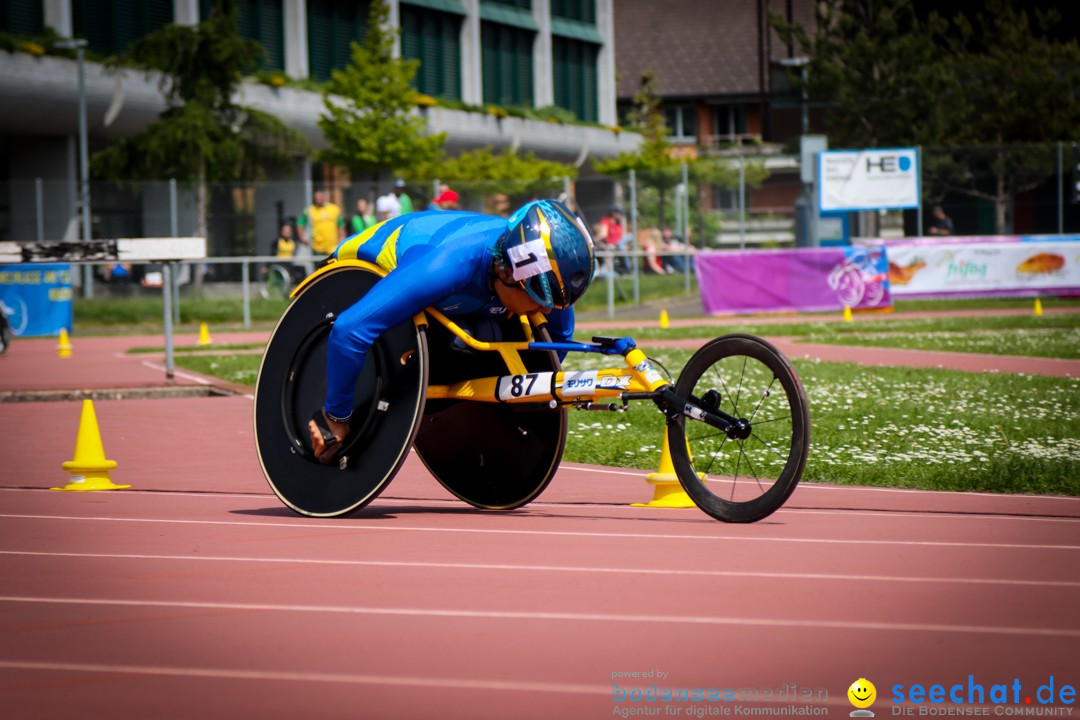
(196, 348)
(886, 426)
(1041, 342)
(650, 287)
(242, 369)
(1054, 336)
(140, 314)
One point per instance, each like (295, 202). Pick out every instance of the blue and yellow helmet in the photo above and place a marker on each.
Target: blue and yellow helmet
(549, 251)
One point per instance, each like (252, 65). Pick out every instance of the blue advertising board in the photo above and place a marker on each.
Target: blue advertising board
(36, 298)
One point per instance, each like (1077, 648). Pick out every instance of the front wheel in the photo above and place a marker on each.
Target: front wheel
(745, 474)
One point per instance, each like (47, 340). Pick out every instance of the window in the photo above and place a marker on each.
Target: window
(22, 17)
(580, 10)
(730, 121)
(110, 26)
(433, 38)
(681, 121)
(332, 26)
(261, 20)
(574, 70)
(507, 57)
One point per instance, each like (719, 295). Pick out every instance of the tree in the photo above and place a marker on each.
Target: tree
(1017, 89)
(879, 66)
(654, 162)
(484, 173)
(976, 90)
(204, 135)
(370, 122)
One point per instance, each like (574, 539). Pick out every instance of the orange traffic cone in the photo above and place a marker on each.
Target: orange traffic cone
(63, 348)
(668, 493)
(204, 335)
(89, 468)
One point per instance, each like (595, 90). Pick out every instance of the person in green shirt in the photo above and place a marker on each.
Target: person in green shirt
(402, 196)
(364, 218)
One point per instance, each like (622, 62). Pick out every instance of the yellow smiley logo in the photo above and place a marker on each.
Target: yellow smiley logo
(862, 693)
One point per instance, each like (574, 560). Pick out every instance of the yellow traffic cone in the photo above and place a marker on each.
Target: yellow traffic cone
(204, 335)
(1038, 307)
(665, 321)
(89, 468)
(63, 348)
(847, 314)
(668, 493)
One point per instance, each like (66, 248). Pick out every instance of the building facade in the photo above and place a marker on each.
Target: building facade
(523, 53)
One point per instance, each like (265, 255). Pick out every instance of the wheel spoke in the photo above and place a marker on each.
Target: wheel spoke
(764, 395)
(767, 445)
(771, 420)
(728, 393)
(742, 451)
(738, 391)
(713, 455)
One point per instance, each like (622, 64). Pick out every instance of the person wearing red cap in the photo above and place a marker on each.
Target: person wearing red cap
(446, 200)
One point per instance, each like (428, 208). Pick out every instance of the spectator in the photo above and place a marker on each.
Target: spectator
(498, 204)
(363, 219)
(325, 223)
(649, 242)
(394, 203)
(446, 200)
(670, 244)
(285, 246)
(611, 232)
(940, 223)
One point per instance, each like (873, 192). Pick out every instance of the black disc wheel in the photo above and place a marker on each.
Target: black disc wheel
(291, 386)
(746, 473)
(493, 456)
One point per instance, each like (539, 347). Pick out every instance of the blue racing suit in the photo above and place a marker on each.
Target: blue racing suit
(440, 259)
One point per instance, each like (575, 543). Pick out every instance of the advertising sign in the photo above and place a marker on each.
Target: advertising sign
(880, 179)
(36, 298)
(998, 267)
(810, 279)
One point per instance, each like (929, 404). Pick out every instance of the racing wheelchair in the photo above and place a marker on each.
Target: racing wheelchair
(489, 418)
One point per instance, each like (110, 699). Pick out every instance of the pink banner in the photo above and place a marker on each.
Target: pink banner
(805, 279)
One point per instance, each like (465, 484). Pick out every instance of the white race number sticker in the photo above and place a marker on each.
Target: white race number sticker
(528, 259)
(515, 387)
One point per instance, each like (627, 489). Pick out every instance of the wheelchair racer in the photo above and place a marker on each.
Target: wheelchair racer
(462, 264)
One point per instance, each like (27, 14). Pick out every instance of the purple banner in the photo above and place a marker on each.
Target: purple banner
(805, 279)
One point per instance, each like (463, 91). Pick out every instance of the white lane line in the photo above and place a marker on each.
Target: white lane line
(352, 527)
(277, 676)
(178, 373)
(591, 570)
(390, 500)
(555, 616)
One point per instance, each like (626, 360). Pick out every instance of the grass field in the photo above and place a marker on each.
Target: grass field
(898, 427)
(1054, 336)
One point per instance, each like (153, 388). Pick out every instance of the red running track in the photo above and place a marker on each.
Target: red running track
(197, 595)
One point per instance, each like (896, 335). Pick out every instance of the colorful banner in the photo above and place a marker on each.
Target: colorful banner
(868, 179)
(806, 279)
(36, 298)
(1019, 268)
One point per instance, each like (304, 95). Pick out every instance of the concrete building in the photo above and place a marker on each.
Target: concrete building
(531, 53)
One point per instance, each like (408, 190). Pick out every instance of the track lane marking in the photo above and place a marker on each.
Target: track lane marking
(503, 567)
(301, 524)
(387, 501)
(277, 676)
(554, 616)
